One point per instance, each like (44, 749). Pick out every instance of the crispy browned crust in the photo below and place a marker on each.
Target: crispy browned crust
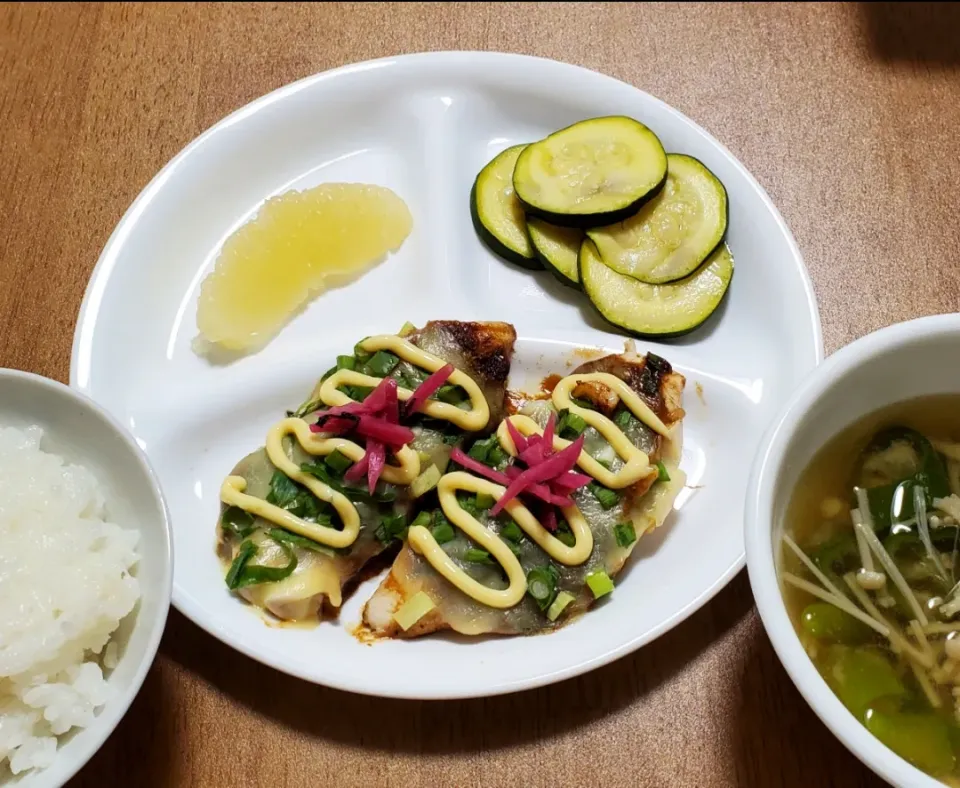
(488, 345)
(650, 376)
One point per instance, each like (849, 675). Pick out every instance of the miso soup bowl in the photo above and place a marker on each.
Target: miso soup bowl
(913, 359)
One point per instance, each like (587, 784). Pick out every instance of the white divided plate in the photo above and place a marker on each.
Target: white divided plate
(424, 125)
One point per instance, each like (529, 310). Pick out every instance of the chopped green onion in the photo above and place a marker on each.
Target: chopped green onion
(338, 462)
(542, 584)
(392, 526)
(381, 364)
(443, 532)
(514, 548)
(242, 573)
(497, 457)
(583, 403)
(599, 583)
(237, 522)
(424, 519)
(477, 556)
(328, 374)
(482, 448)
(358, 393)
(308, 407)
(625, 533)
(283, 490)
(453, 395)
(411, 611)
(511, 531)
(247, 550)
(662, 474)
(361, 354)
(483, 501)
(346, 362)
(467, 503)
(559, 605)
(606, 497)
(565, 535)
(384, 493)
(623, 418)
(406, 329)
(295, 540)
(425, 482)
(570, 425)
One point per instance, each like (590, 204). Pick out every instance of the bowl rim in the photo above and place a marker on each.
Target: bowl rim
(112, 713)
(758, 538)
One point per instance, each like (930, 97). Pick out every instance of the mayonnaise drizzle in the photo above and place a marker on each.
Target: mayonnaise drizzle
(471, 420)
(423, 542)
(232, 491)
(636, 467)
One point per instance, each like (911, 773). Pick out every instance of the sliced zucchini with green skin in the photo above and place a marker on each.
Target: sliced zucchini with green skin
(673, 233)
(659, 311)
(557, 248)
(592, 173)
(497, 213)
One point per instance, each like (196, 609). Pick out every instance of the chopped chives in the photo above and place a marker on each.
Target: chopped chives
(570, 425)
(443, 532)
(511, 531)
(424, 519)
(542, 584)
(476, 556)
(484, 501)
(625, 533)
(606, 497)
(599, 583)
(338, 462)
(662, 473)
(623, 418)
(381, 364)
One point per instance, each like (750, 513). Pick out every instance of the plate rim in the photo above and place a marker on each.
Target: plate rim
(100, 275)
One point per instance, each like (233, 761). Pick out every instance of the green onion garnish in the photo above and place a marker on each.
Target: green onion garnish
(559, 605)
(662, 474)
(623, 418)
(346, 362)
(484, 501)
(599, 583)
(327, 374)
(443, 532)
(467, 503)
(497, 457)
(482, 448)
(338, 462)
(392, 526)
(583, 403)
(606, 497)
(308, 407)
(381, 364)
(625, 533)
(237, 522)
(424, 519)
(570, 425)
(247, 550)
(453, 395)
(358, 393)
(358, 351)
(511, 531)
(242, 573)
(542, 584)
(283, 490)
(565, 535)
(477, 556)
(295, 540)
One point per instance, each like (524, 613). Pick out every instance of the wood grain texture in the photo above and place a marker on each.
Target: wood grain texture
(848, 116)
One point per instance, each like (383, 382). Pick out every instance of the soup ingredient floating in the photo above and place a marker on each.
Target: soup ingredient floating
(871, 567)
(300, 244)
(650, 218)
(65, 586)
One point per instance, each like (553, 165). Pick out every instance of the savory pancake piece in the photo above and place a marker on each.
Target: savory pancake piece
(336, 483)
(568, 533)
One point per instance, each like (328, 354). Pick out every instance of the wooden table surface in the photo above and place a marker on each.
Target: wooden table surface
(847, 114)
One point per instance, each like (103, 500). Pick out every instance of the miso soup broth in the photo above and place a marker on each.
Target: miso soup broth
(869, 569)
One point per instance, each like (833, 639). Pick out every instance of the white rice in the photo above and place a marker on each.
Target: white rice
(65, 584)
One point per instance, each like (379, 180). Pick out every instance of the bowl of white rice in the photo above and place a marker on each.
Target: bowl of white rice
(85, 577)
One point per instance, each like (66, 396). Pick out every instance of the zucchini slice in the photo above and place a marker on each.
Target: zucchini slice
(655, 311)
(673, 233)
(497, 213)
(557, 248)
(592, 173)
